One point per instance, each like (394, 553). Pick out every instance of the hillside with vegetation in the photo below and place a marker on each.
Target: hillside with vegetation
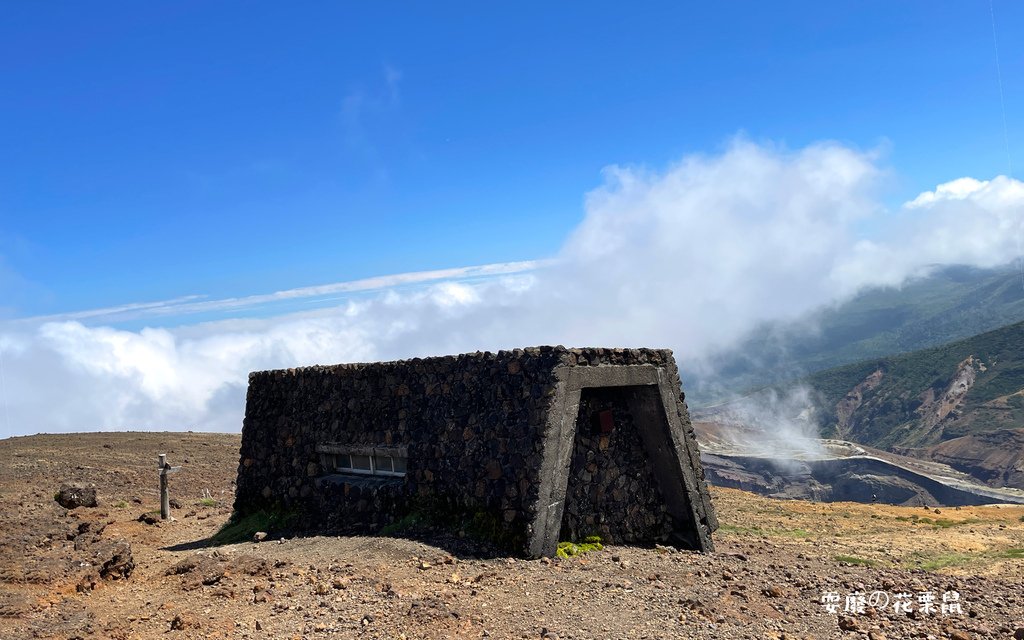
(925, 397)
(949, 304)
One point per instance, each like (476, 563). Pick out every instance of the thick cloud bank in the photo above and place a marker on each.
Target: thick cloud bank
(690, 258)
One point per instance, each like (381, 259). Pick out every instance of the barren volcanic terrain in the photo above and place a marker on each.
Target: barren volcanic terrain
(780, 566)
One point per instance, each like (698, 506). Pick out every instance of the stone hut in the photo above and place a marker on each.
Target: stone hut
(530, 446)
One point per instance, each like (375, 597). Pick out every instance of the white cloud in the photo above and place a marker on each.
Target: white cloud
(958, 189)
(689, 258)
(265, 303)
(965, 221)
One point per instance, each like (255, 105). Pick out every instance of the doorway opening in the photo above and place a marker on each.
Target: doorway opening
(624, 483)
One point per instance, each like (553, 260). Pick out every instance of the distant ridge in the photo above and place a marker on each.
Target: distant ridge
(949, 304)
(925, 397)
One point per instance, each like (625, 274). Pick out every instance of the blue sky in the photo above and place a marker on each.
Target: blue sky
(156, 150)
(192, 191)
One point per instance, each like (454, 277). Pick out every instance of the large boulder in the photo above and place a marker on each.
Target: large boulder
(72, 497)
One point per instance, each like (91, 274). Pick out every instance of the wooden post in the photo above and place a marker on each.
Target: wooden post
(165, 496)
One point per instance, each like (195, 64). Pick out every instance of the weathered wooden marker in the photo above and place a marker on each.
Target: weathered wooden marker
(165, 496)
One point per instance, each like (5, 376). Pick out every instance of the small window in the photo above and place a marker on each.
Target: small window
(383, 461)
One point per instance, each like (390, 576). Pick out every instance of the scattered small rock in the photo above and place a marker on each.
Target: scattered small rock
(182, 622)
(116, 560)
(87, 583)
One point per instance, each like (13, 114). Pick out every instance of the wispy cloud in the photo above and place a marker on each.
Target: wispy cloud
(265, 303)
(362, 107)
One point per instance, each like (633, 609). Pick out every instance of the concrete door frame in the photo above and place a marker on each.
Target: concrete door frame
(660, 418)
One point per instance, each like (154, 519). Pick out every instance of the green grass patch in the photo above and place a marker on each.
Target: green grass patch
(572, 549)
(408, 523)
(938, 523)
(208, 502)
(943, 560)
(242, 529)
(863, 562)
(764, 531)
(934, 562)
(120, 504)
(944, 523)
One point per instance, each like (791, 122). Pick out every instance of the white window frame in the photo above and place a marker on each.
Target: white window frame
(391, 459)
(338, 458)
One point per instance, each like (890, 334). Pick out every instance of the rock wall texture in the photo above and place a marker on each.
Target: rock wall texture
(612, 490)
(477, 429)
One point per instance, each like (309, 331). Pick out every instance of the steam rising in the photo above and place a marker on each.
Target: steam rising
(775, 424)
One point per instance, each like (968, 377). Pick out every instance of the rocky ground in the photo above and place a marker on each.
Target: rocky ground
(100, 572)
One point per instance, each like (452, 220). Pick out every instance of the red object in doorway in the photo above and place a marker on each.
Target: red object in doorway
(603, 422)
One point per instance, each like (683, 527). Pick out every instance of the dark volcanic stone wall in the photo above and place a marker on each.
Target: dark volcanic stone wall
(612, 490)
(470, 423)
(473, 425)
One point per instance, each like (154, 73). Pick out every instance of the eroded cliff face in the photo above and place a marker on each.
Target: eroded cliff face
(848, 406)
(956, 419)
(935, 409)
(996, 458)
(885, 410)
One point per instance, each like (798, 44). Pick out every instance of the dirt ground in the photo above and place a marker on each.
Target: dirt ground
(778, 568)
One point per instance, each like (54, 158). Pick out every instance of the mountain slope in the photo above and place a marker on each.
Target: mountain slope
(922, 398)
(949, 304)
